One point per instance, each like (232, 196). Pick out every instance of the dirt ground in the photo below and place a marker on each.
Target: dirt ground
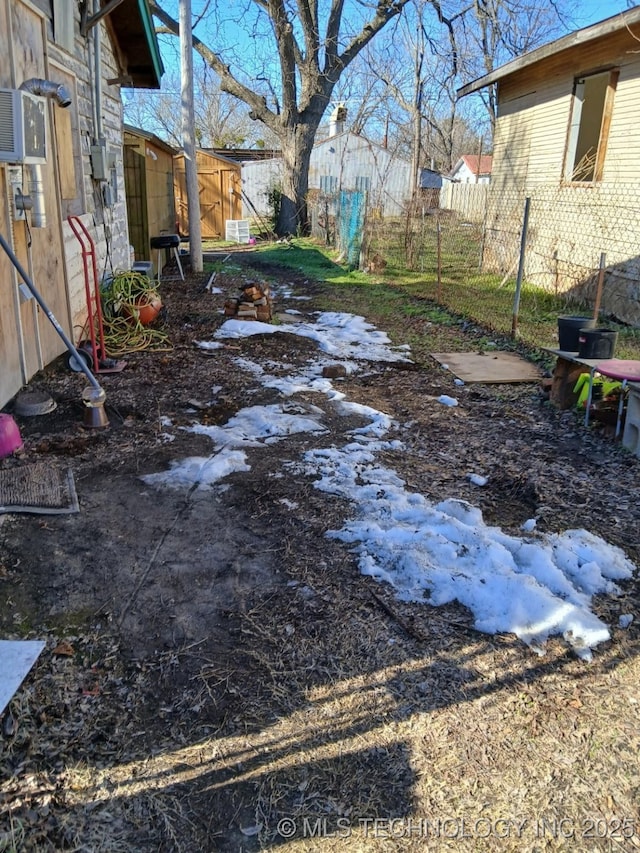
(218, 676)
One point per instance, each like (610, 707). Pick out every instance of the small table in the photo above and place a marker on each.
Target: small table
(564, 375)
(620, 369)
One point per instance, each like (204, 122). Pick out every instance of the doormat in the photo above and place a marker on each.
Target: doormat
(492, 367)
(38, 488)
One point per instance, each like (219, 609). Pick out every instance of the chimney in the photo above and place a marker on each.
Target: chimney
(337, 120)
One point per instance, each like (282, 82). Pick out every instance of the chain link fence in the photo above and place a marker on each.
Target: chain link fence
(471, 230)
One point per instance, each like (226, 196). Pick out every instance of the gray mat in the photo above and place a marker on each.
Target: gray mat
(37, 488)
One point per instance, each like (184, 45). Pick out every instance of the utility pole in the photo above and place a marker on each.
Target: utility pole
(189, 136)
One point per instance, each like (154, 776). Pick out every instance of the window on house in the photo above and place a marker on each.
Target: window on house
(328, 184)
(589, 126)
(363, 184)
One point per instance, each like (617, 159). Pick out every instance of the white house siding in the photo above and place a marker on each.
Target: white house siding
(570, 225)
(350, 157)
(258, 178)
(346, 157)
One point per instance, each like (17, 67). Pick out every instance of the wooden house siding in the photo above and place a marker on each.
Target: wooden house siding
(52, 255)
(39, 252)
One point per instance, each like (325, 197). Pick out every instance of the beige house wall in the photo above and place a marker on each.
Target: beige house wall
(570, 224)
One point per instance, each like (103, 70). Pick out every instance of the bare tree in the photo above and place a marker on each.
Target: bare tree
(441, 47)
(309, 63)
(221, 121)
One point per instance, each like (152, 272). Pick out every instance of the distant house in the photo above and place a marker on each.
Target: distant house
(472, 169)
(341, 161)
(567, 136)
(65, 106)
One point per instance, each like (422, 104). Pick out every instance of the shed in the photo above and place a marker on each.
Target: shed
(148, 176)
(220, 188)
(343, 161)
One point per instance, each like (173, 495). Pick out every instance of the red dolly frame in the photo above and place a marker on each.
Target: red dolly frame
(94, 322)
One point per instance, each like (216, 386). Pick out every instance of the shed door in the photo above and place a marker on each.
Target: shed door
(219, 199)
(135, 180)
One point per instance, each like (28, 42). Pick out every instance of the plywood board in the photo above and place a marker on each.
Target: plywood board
(491, 367)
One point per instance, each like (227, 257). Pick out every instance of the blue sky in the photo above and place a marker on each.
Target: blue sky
(592, 11)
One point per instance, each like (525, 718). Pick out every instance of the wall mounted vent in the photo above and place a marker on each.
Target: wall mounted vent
(23, 127)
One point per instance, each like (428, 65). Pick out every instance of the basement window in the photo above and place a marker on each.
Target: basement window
(591, 109)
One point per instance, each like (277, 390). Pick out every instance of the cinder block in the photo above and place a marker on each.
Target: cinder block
(631, 434)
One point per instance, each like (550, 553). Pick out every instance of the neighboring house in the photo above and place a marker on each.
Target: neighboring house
(472, 169)
(148, 179)
(61, 73)
(220, 185)
(568, 137)
(341, 161)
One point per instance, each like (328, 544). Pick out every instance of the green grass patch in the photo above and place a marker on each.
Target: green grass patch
(484, 299)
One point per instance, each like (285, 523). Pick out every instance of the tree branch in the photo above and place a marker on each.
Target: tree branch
(228, 83)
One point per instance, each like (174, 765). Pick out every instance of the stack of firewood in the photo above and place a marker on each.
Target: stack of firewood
(254, 303)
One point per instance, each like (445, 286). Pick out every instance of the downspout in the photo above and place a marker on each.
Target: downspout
(47, 89)
(97, 62)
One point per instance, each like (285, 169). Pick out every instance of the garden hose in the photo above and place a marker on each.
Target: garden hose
(123, 331)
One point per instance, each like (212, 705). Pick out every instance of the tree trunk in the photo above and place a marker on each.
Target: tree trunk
(296, 154)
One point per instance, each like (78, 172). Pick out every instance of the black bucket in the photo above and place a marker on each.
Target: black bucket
(597, 343)
(569, 331)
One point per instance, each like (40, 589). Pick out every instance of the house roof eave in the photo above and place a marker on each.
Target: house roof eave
(132, 26)
(595, 31)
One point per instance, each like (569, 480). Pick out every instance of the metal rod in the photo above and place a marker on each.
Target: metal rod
(69, 345)
(603, 263)
(439, 252)
(523, 245)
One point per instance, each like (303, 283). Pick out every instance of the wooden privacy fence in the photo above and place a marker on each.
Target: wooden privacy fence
(469, 201)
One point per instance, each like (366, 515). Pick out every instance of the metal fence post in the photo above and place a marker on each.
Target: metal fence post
(523, 244)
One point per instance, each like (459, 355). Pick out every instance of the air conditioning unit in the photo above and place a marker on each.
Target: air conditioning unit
(23, 127)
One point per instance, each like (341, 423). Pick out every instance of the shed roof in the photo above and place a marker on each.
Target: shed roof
(150, 137)
(204, 152)
(617, 22)
(244, 155)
